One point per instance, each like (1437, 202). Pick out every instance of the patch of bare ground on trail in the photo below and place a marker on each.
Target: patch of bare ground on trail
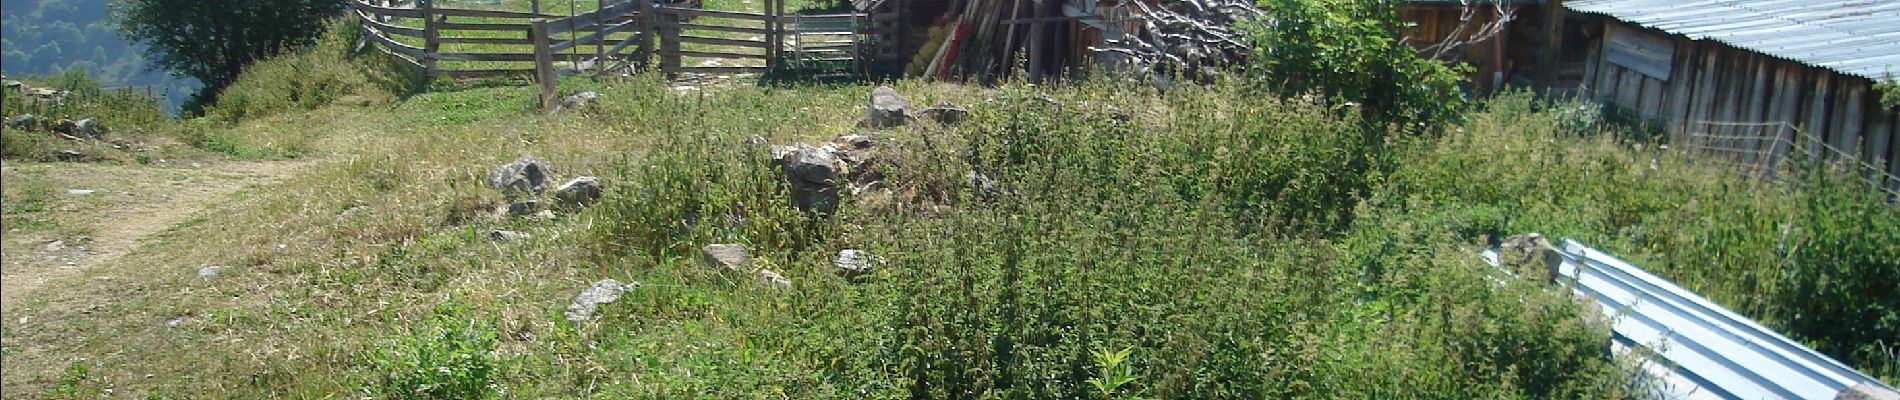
(100, 213)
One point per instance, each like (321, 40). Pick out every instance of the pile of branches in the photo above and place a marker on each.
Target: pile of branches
(1191, 39)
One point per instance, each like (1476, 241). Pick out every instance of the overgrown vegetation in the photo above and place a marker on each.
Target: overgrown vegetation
(1237, 240)
(1351, 53)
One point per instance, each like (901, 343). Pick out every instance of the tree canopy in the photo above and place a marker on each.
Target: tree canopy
(214, 40)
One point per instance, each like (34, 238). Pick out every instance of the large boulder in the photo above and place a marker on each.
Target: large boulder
(588, 301)
(580, 192)
(731, 257)
(886, 108)
(814, 173)
(525, 174)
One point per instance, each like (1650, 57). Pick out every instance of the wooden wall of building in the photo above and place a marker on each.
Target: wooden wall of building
(1708, 81)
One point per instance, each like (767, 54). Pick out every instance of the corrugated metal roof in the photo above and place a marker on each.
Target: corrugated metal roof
(1860, 38)
(1705, 351)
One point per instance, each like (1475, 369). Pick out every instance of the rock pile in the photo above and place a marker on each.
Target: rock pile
(525, 179)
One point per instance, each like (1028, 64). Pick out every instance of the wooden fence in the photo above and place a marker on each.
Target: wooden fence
(469, 43)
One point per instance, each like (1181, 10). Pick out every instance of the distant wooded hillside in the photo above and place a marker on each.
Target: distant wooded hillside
(43, 37)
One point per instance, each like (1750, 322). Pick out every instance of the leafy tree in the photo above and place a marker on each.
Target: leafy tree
(214, 40)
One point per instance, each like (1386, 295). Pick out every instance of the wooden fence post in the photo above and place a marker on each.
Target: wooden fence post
(648, 19)
(543, 62)
(430, 41)
(669, 29)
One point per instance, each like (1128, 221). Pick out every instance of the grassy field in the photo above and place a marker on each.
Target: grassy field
(1206, 242)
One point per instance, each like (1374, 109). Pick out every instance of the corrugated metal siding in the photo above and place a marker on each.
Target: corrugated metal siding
(1704, 350)
(1859, 38)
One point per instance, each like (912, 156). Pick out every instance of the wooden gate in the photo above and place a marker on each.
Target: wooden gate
(616, 35)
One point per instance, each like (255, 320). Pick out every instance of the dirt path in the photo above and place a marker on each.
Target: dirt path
(68, 217)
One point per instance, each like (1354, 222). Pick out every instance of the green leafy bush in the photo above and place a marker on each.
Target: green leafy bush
(1351, 51)
(451, 357)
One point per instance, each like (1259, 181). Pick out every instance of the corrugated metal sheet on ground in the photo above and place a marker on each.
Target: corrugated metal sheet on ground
(1702, 351)
(1860, 38)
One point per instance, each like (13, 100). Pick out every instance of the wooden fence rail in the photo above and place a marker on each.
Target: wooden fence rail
(468, 43)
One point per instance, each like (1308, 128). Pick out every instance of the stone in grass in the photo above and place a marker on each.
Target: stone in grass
(23, 121)
(580, 192)
(945, 113)
(813, 173)
(525, 174)
(853, 263)
(500, 235)
(522, 208)
(601, 292)
(769, 279)
(731, 257)
(886, 109)
(209, 272)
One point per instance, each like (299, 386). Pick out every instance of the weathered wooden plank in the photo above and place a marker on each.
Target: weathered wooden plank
(714, 54)
(1702, 108)
(1677, 90)
(484, 40)
(391, 45)
(694, 12)
(722, 70)
(465, 26)
(484, 73)
(1818, 112)
(507, 57)
(1756, 105)
(594, 37)
(724, 28)
(363, 7)
(1850, 138)
(722, 41)
(1785, 108)
(1629, 88)
(1651, 100)
(462, 12)
(570, 24)
(1877, 137)
(369, 21)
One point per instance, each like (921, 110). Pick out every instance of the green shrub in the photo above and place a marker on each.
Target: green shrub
(322, 73)
(1352, 51)
(451, 357)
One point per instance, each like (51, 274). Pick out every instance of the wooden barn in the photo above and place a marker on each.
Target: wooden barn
(1757, 79)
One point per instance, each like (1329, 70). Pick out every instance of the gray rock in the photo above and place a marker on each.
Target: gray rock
(544, 214)
(525, 174)
(601, 292)
(814, 175)
(522, 208)
(1867, 391)
(582, 191)
(88, 127)
(886, 108)
(507, 235)
(79, 192)
(209, 272)
(945, 114)
(579, 100)
(767, 278)
(69, 155)
(23, 121)
(856, 141)
(983, 185)
(731, 257)
(853, 263)
(56, 245)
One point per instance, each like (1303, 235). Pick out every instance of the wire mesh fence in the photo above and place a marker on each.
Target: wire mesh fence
(1765, 149)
